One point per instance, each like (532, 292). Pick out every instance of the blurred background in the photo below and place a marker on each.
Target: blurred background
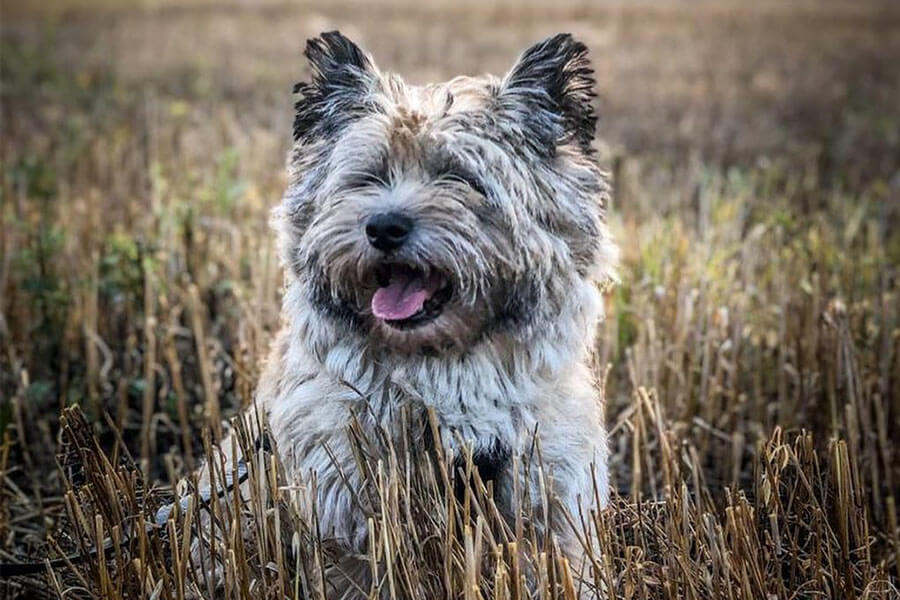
(755, 150)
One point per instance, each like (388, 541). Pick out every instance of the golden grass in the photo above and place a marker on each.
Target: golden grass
(750, 358)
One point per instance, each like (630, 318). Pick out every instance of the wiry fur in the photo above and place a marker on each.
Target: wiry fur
(499, 176)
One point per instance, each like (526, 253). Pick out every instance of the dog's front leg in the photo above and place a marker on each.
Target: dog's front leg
(575, 483)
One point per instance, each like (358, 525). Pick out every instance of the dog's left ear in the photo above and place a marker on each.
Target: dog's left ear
(550, 90)
(343, 78)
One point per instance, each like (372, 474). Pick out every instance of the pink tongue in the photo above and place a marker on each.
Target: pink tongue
(403, 297)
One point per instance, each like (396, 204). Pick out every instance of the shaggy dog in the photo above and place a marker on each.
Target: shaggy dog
(444, 247)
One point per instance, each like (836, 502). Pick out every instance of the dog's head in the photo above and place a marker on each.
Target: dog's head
(430, 217)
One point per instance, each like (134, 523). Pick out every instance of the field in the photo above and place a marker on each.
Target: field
(750, 359)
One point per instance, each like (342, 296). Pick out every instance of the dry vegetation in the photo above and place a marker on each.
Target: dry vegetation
(753, 345)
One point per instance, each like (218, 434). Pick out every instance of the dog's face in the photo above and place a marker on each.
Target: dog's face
(426, 218)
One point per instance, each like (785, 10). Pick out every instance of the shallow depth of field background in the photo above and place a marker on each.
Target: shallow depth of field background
(752, 347)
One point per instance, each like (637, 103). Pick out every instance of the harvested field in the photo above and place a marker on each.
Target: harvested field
(751, 355)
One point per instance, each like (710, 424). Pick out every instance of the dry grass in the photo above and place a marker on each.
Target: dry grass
(753, 346)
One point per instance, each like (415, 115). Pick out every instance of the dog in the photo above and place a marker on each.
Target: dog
(445, 250)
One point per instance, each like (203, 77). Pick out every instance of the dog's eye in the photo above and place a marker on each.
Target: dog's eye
(463, 176)
(363, 179)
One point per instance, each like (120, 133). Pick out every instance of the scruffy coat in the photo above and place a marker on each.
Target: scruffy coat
(500, 179)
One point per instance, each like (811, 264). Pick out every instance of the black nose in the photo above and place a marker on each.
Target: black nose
(388, 231)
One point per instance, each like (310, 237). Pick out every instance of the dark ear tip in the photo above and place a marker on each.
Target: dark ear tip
(329, 38)
(563, 44)
(564, 39)
(336, 48)
(561, 52)
(335, 39)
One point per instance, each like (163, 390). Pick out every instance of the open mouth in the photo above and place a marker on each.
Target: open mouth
(409, 296)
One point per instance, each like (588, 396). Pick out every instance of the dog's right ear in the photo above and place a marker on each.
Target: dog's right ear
(342, 81)
(550, 90)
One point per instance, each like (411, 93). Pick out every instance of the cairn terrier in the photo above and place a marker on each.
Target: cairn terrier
(444, 248)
